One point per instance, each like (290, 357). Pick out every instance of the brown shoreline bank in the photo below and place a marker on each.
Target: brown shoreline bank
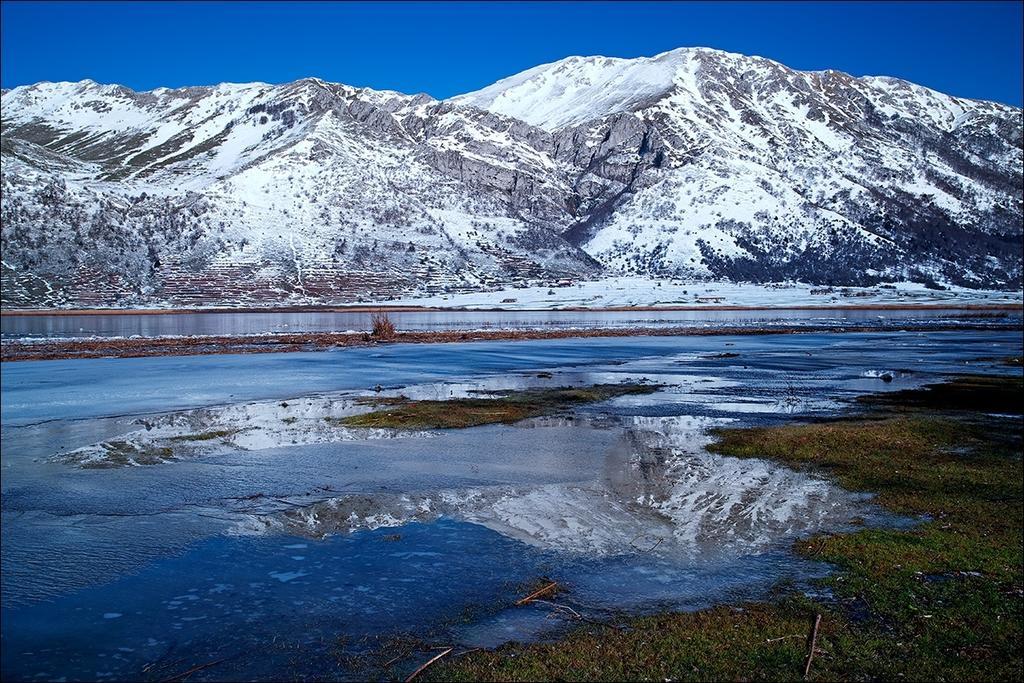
(28, 312)
(320, 341)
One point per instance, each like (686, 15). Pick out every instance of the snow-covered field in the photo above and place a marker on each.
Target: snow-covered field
(640, 291)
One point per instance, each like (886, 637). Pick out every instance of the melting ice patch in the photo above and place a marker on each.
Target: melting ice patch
(887, 375)
(262, 425)
(245, 426)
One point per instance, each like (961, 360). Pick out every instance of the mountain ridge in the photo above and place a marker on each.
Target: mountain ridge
(881, 77)
(741, 169)
(720, 53)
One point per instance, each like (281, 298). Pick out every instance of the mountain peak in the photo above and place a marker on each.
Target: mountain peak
(576, 89)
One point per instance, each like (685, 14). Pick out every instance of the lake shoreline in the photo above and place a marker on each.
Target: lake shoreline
(320, 341)
(385, 308)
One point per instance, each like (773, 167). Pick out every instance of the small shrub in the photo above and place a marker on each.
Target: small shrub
(383, 328)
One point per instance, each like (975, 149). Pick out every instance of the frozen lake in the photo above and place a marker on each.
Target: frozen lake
(282, 546)
(251, 323)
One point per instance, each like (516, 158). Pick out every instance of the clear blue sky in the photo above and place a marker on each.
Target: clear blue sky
(970, 49)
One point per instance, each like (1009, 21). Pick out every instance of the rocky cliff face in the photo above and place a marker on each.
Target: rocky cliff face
(700, 162)
(694, 163)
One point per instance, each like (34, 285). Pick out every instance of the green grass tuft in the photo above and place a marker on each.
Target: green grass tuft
(205, 436)
(510, 407)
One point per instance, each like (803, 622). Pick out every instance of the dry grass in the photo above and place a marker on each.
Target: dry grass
(470, 412)
(383, 328)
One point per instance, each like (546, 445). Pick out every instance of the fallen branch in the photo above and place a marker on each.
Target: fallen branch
(775, 640)
(536, 594)
(812, 640)
(424, 666)
(387, 664)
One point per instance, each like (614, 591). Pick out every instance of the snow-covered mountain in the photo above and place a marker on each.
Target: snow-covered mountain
(740, 167)
(258, 193)
(694, 163)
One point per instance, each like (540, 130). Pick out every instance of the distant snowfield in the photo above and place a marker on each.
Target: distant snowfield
(640, 291)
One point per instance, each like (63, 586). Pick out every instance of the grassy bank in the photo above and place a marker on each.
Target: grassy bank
(938, 601)
(509, 407)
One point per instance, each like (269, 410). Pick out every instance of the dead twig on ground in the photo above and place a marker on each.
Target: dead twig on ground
(387, 664)
(812, 641)
(576, 615)
(536, 594)
(427, 663)
(564, 608)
